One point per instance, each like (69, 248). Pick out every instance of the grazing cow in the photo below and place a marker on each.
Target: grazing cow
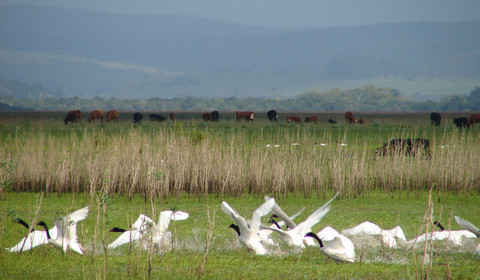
(331, 121)
(311, 119)
(435, 118)
(360, 121)
(294, 119)
(475, 118)
(112, 116)
(73, 116)
(137, 118)
(97, 114)
(156, 118)
(349, 117)
(207, 116)
(173, 116)
(215, 116)
(245, 115)
(272, 115)
(461, 122)
(408, 147)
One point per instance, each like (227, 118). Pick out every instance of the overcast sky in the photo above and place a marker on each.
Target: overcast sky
(286, 13)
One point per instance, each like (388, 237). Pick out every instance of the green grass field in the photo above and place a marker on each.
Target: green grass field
(121, 171)
(226, 257)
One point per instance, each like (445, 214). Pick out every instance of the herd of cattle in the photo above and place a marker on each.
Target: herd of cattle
(407, 147)
(214, 116)
(436, 118)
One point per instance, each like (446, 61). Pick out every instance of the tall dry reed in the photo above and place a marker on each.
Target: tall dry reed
(190, 158)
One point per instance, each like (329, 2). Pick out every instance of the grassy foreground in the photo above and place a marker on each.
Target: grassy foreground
(206, 248)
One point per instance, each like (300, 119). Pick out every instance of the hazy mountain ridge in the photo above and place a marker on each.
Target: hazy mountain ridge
(103, 53)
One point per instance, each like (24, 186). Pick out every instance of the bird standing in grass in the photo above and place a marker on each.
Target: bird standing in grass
(295, 234)
(248, 234)
(133, 234)
(388, 237)
(67, 231)
(340, 249)
(147, 232)
(471, 228)
(32, 240)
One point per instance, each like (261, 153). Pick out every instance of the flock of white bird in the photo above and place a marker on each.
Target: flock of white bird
(63, 235)
(256, 236)
(252, 233)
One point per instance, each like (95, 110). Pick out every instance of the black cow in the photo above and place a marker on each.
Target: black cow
(137, 118)
(408, 147)
(331, 121)
(156, 118)
(214, 116)
(435, 118)
(461, 122)
(272, 115)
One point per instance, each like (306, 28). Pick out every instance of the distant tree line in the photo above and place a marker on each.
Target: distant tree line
(367, 98)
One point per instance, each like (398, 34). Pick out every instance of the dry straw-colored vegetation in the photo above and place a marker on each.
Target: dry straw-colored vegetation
(230, 158)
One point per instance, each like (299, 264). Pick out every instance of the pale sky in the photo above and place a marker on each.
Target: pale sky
(286, 13)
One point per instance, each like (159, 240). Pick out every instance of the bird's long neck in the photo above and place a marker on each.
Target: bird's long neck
(272, 221)
(236, 228)
(313, 235)
(439, 225)
(22, 222)
(46, 230)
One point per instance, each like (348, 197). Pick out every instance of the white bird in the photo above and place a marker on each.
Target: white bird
(66, 231)
(135, 232)
(34, 239)
(340, 249)
(387, 237)
(295, 235)
(327, 233)
(158, 234)
(265, 234)
(145, 230)
(453, 236)
(471, 228)
(248, 235)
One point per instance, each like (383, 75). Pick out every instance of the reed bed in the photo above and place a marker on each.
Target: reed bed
(230, 158)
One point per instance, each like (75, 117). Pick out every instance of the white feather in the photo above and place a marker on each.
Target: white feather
(295, 236)
(34, 239)
(67, 231)
(249, 234)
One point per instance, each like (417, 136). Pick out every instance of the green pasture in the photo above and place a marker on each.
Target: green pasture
(122, 170)
(226, 258)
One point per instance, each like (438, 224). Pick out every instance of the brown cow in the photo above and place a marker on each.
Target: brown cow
(112, 116)
(473, 119)
(360, 121)
(311, 119)
(73, 116)
(349, 117)
(97, 114)
(294, 119)
(173, 116)
(246, 115)
(207, 116)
